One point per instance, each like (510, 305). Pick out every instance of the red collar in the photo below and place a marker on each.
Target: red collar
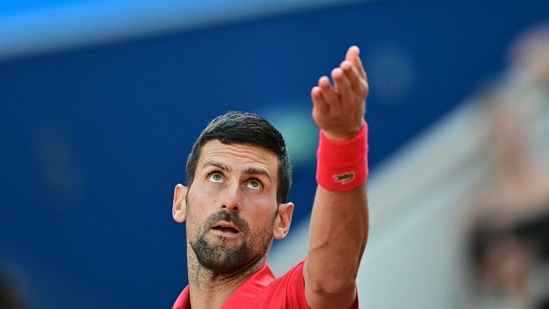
(245, 293)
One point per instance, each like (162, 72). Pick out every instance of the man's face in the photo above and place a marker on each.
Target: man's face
(231, 207)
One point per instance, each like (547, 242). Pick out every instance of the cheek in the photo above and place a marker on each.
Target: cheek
(260, 214)
(207, 194)
(202, 197)
(196, 207)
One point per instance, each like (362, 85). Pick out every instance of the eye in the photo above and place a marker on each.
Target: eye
(216, 177)
(255, 184)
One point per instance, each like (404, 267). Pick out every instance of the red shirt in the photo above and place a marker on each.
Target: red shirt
(263, 290)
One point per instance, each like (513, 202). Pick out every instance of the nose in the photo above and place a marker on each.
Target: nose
(231, 201)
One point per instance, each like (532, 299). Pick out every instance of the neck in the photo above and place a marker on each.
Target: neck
(210, 289)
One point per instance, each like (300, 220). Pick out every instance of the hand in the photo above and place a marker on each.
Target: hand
(339, 109)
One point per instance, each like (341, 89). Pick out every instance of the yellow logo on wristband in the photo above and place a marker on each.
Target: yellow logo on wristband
(345, 177)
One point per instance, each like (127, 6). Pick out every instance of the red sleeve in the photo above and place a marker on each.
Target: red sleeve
(287, 292)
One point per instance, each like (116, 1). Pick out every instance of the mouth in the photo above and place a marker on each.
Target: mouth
(225, 229)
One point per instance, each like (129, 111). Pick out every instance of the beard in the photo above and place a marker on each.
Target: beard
(223, 259)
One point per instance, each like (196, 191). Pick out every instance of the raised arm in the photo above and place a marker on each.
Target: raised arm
(339, 219)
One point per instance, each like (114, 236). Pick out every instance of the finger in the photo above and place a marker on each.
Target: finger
(358, 84)
(329, 93)
(343, 86)
(352, 75)
(353, 55)
(319, 104)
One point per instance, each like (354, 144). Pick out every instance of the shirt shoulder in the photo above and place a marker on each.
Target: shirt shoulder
(284, 292)
(262, 290)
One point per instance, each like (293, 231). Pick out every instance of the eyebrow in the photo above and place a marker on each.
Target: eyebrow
(218, 165)
(247, 171)
(257, 171)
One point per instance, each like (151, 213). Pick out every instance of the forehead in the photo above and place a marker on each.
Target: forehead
(238, 156)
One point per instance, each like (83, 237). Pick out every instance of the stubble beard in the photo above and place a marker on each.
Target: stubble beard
(223, 259)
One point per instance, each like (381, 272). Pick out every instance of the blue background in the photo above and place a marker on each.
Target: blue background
(93, 138)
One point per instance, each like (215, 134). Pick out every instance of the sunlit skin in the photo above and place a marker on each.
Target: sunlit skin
(231, 213)
(339, 219)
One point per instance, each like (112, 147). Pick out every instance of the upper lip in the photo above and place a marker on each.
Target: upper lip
(225, 225)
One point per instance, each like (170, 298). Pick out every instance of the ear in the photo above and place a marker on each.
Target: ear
(283, 220)
(179, 201)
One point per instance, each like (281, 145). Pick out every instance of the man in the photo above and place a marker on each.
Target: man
(234, 205)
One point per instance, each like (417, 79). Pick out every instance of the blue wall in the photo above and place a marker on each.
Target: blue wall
(94, 139)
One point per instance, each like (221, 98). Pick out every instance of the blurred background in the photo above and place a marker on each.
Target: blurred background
(102, 100)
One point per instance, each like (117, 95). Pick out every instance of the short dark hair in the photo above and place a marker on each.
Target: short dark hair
(250, 129)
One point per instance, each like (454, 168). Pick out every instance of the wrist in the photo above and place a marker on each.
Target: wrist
(343, 137)
(343, 164)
